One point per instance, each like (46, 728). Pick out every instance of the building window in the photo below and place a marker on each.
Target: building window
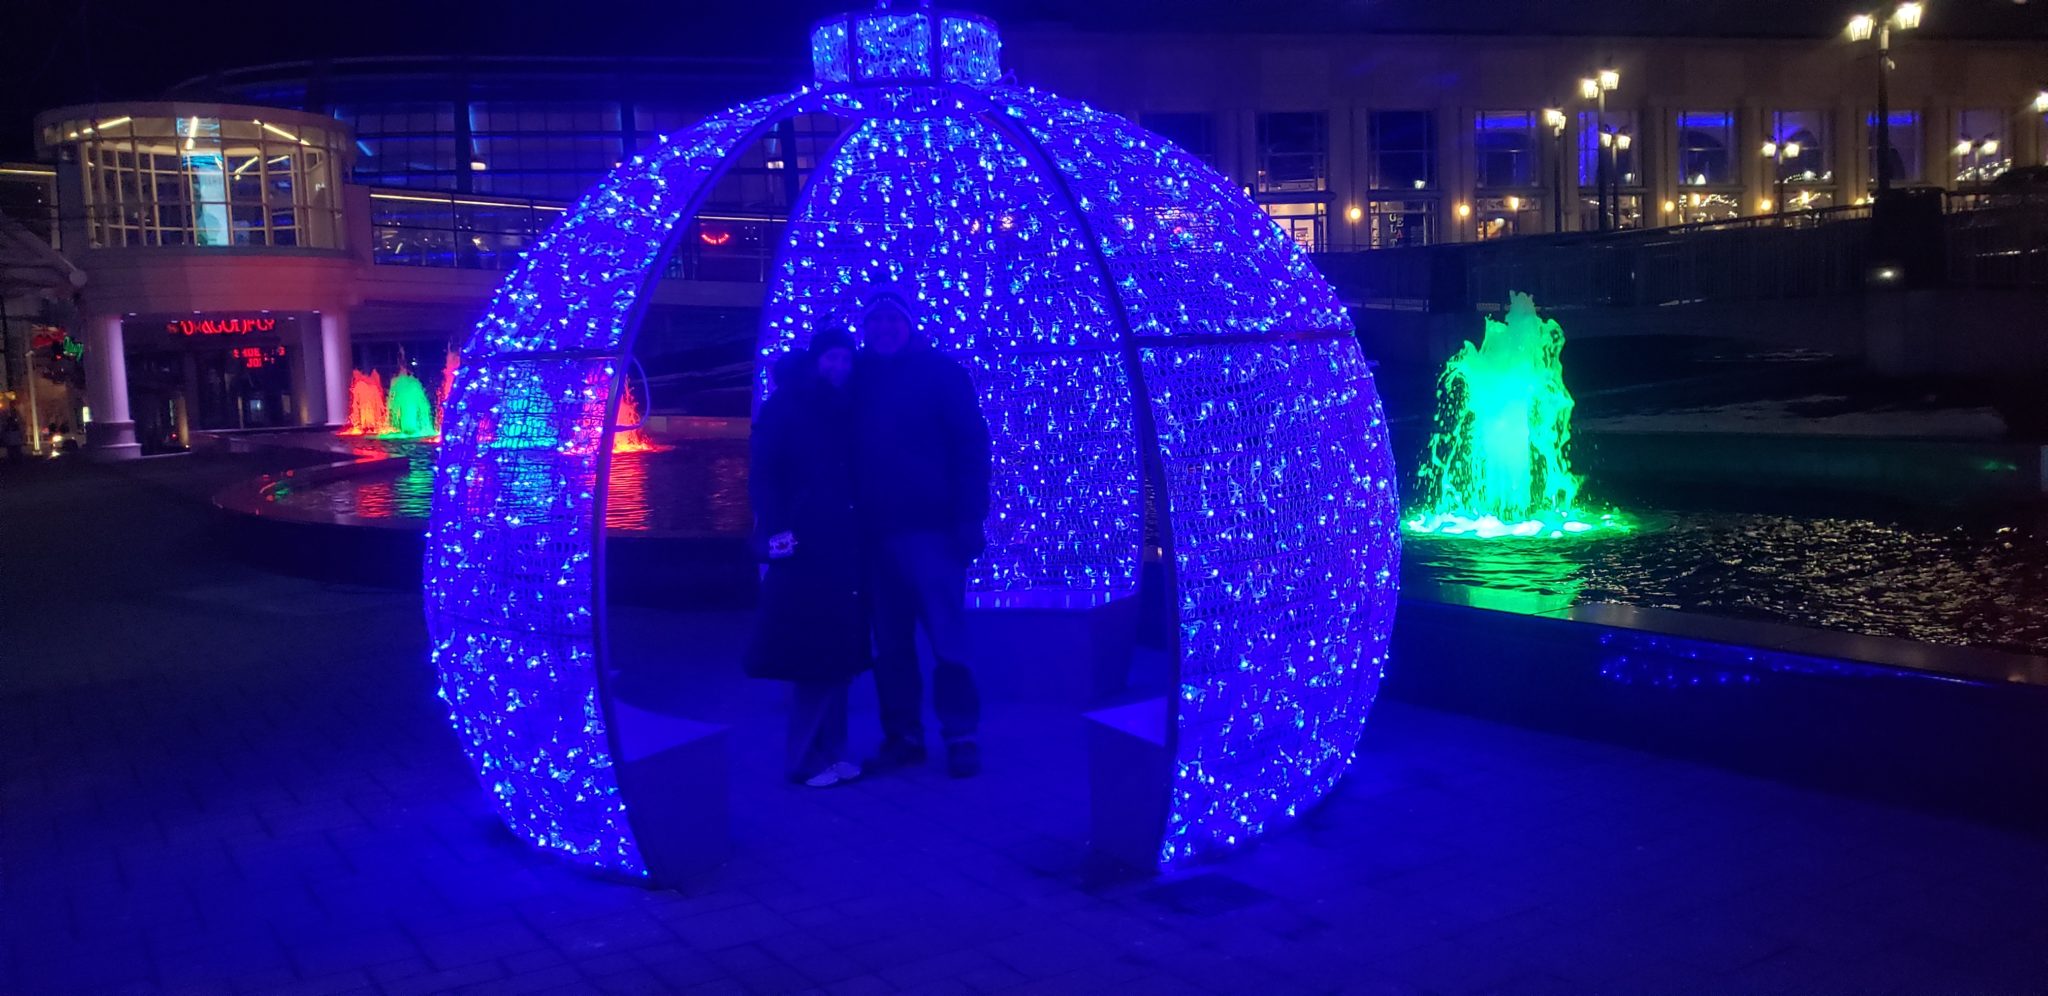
(404, 144)
(551, 149)
(1505, 143)
(1500, 217)
(1402, 145)
(1805, 130)
(199, 181)
(1396, 223)
(1982, 149)
(1628, 211)
(1293, 152)
(461, 231)
(1906, 146)
(1304, 221)
(1627, 152)
(1195, 133)
(1696, 208)
(1706, 149)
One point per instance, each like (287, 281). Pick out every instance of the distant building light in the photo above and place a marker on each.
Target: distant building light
(1464, 210)
(1355, 213)
(1420, 184)
(1670, 206)
(478, 165)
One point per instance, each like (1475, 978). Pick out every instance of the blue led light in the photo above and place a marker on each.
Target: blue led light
(1132, 323)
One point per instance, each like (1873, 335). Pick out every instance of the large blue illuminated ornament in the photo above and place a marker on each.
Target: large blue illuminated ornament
(1135, 327)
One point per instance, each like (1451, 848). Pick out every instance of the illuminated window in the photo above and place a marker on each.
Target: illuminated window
(1706, 149)
(1408, 222)
(1304, 221)
(1696, 208)
(1505, 143)
(1628, 210)
(1402, 150)
(1628, 170)
(1982, 146)
(1293, 152)
(206, 181)
(1906, 157)
(1813, 162)
(1500, 217)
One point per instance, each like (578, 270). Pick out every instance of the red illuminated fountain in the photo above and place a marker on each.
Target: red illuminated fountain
(366, 412)
(632, 440)
(371, 410)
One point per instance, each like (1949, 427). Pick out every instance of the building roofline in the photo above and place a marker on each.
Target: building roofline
(604, 64)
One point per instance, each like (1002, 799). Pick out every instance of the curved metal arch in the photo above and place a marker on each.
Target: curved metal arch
(1293, 353)
(529, 374)
(1314, 332)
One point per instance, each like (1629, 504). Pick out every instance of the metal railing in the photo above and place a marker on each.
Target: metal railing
(481, 232)
(1999, 240)
(1969, 239)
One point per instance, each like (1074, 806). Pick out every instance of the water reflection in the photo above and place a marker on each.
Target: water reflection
(696, 489)
(1967, 584)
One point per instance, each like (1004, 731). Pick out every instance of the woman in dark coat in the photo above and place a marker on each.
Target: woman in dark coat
(812, 630)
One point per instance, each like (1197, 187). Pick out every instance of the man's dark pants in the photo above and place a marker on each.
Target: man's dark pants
(921, 584)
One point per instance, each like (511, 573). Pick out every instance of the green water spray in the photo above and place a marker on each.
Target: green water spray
(407, 409)
(1497, 464)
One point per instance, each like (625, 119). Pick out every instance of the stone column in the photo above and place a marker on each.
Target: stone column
(336, 360)
(111, 433)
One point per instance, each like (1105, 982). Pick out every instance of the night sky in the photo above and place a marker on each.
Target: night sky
(64, 51)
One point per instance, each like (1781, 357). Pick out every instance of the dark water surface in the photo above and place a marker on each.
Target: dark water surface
(1967, 581)
(1940, 577)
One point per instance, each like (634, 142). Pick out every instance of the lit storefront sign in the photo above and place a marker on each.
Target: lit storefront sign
(257, 357)
(232, 325)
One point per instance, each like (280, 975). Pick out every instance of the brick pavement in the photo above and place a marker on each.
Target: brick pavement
(216, 779)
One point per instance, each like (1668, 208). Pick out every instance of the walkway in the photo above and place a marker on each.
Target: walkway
(214, 779)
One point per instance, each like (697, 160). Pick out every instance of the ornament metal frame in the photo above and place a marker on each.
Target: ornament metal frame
(1161, 350)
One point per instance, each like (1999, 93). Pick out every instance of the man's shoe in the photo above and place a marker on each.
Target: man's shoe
(896, 754)
(963, 759)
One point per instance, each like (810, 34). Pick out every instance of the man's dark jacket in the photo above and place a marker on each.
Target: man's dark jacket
(923, 447)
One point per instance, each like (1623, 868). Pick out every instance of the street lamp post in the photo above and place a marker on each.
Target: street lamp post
(1776, 155)
(1555, 118)
(1907, 17)
(1595, 88)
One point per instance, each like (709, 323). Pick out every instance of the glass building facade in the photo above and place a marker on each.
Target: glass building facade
(206, 180)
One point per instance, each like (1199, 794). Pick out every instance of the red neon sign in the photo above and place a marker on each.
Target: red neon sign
(257, 357)
(220, 326)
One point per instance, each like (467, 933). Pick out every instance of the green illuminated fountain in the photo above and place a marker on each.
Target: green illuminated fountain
(1497, 464)
(407, 410)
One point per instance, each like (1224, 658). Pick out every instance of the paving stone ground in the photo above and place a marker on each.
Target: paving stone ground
(215, 778)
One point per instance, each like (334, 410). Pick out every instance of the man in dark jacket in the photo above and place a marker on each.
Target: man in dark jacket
(923, 482)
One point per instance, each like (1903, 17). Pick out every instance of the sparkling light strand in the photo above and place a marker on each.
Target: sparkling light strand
(508, 574)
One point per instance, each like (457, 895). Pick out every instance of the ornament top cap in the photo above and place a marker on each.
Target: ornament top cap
(899, 42)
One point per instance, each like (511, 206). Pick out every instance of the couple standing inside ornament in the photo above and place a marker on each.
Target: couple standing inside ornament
(869, 483)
